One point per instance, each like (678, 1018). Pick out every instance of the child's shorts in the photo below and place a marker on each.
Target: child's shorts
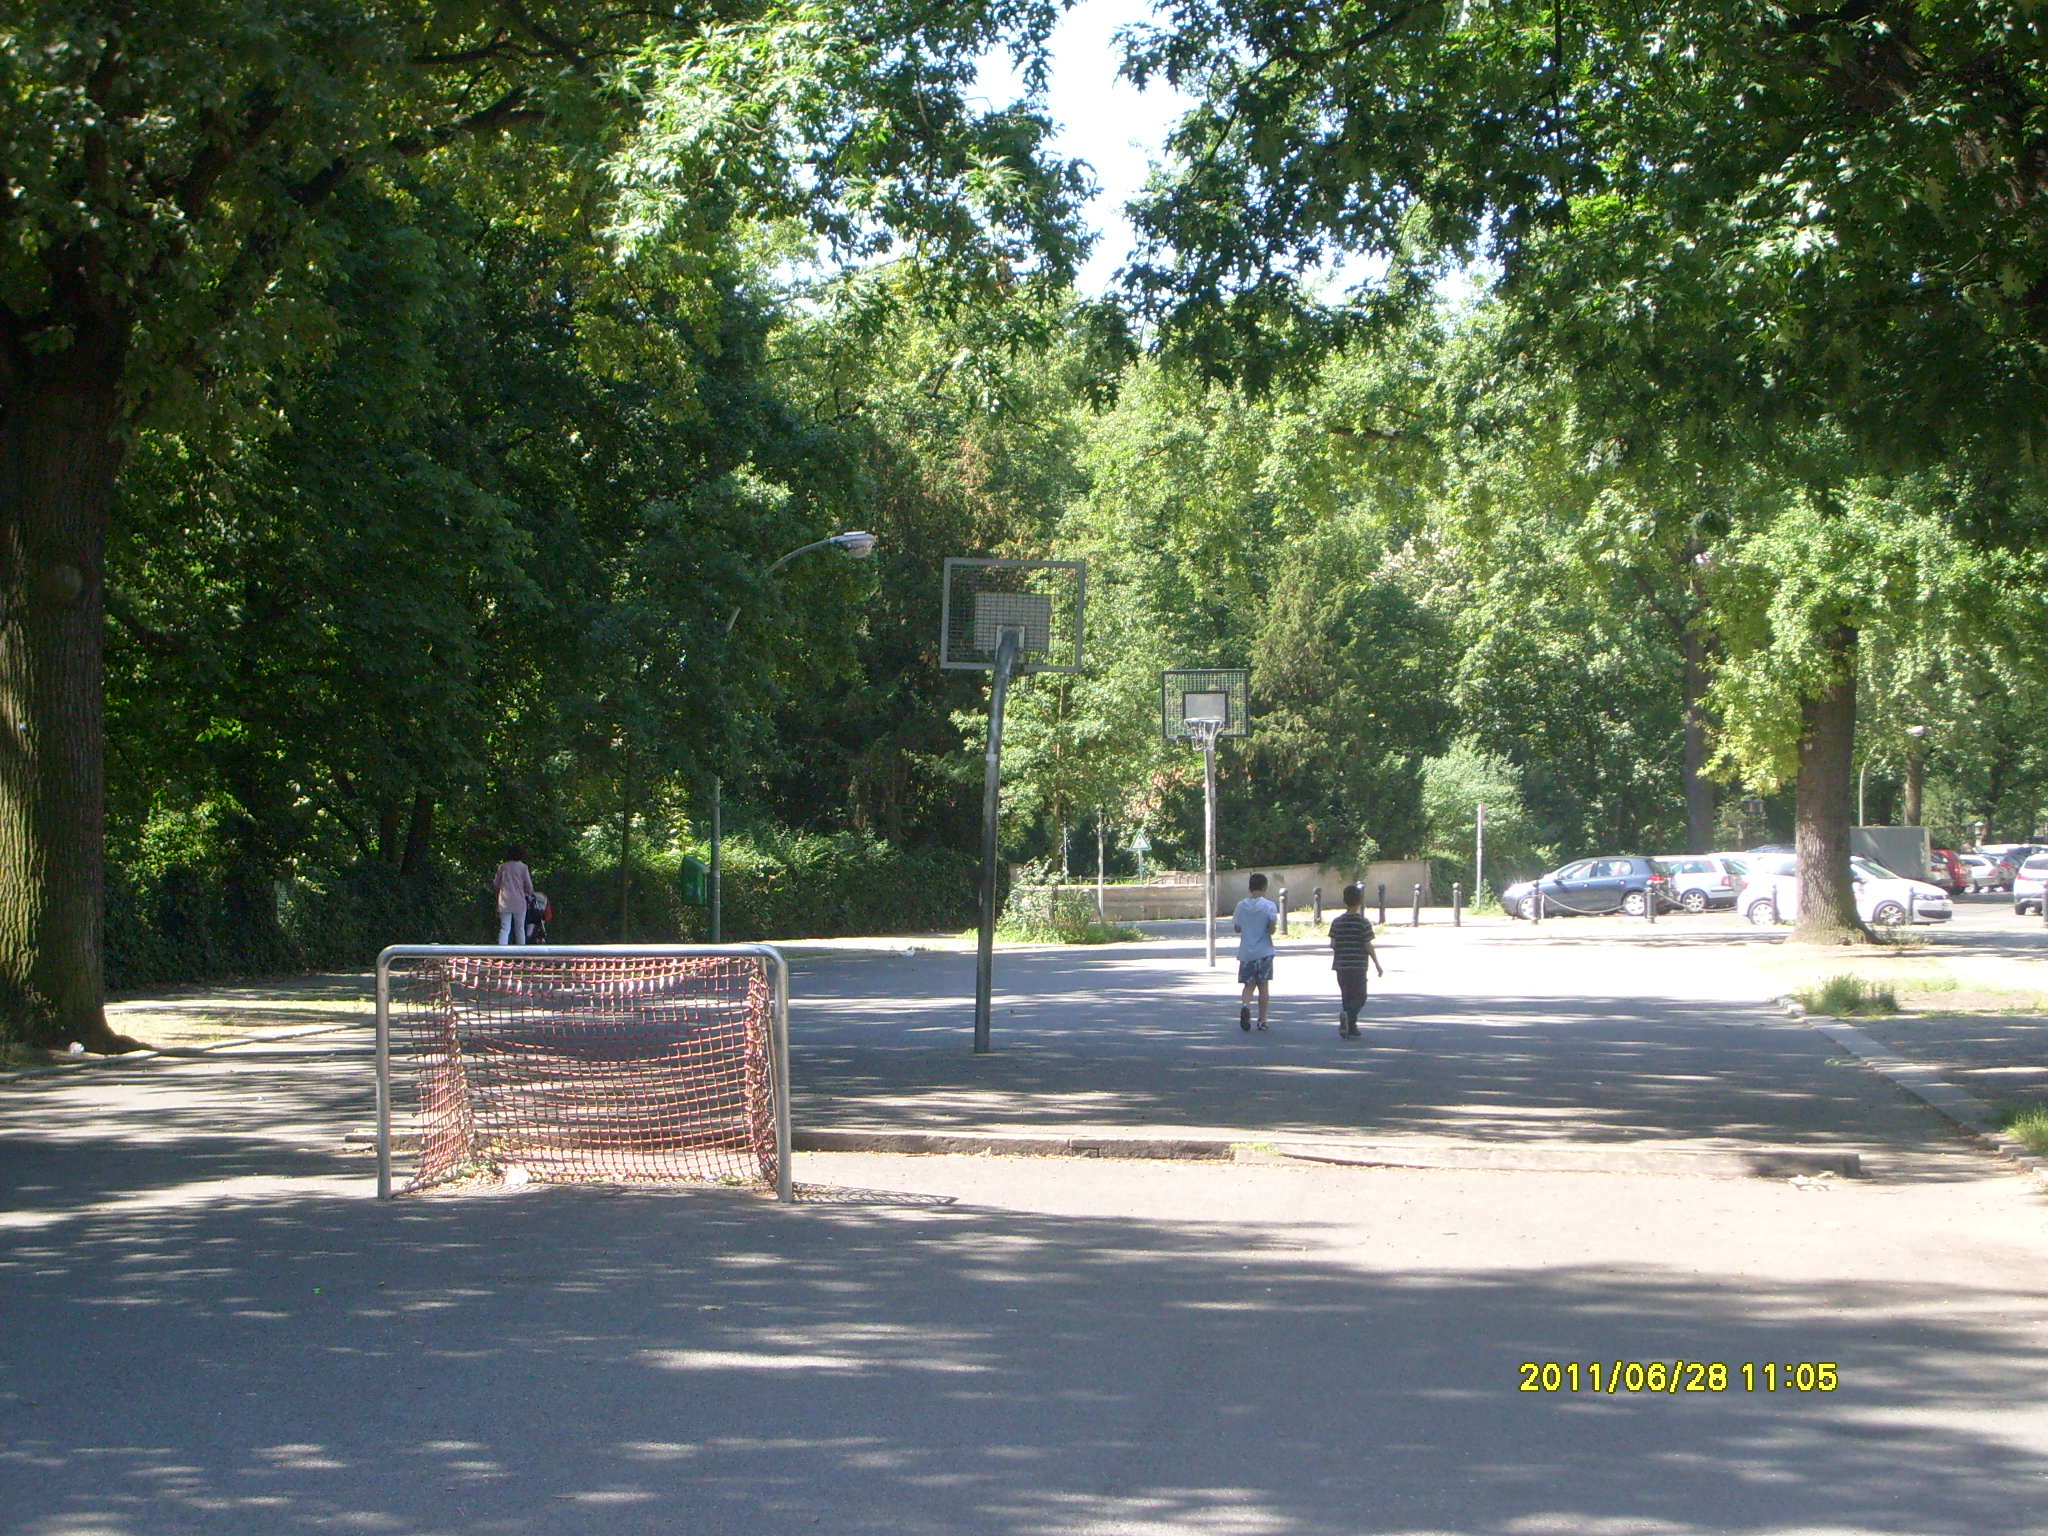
(1250, 971)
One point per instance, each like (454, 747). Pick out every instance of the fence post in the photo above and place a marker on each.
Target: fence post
(1457, 904)
(1383, 904)
(1415, 912)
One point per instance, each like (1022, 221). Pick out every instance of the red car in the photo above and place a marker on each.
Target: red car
(1947, 871)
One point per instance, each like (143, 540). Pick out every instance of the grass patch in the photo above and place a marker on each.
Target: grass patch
(1058, 914)
(2028, 1127)
(1849, 997)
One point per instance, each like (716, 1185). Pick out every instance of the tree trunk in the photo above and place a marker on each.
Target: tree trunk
(1699, 789)
(1827, 747)
(388, 832)
(60, 452)
(1916, 780)
(419, 834)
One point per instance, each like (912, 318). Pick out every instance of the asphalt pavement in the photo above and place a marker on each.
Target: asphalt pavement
(209, 1326)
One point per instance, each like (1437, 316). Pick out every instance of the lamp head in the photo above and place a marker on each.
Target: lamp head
(855, 545)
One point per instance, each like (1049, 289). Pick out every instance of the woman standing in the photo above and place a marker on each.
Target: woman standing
(515, 891)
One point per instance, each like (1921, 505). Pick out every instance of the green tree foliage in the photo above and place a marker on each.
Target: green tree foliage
(175, 203)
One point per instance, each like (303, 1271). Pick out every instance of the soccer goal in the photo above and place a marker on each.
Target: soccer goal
(638, 1064)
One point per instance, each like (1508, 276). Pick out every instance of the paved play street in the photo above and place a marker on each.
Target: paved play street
(212, 1327)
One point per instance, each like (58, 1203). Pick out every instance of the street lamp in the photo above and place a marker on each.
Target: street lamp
(855, 545)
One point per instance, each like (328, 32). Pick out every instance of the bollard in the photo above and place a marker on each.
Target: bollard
(1536, 897)
(1912, 907)
(1650, 901)
(1457, 904)
(1383, 904)
(1283, 911)
(1319, 906)
(1415, 912)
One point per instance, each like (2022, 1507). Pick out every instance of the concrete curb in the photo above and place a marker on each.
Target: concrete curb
(1247, 1146)
(174, 1052)
(1926, 1084)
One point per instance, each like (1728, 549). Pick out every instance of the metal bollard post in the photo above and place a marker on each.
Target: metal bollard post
(1283, 911)
(1650, 902)
(1537, 898)
(1415, 912)
(1383, 903)
(1912, 907)
(1457, 904)
(1319, 906)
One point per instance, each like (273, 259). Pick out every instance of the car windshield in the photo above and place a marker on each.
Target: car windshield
(1870, 869)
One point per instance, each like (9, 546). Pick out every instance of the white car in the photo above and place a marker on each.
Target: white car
(1883, 899)
(1984, 874)
(2028, 883)
(1703, 880)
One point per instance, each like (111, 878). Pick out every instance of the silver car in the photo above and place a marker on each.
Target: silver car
(1700, 881)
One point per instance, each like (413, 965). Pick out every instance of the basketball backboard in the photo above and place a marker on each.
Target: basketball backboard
(1199, 701)
(1042, 600)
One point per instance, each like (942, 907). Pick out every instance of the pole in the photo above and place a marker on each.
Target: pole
(717, 837)
(991, 811)
(1100, 910)
(1209, 844)
(1415, 912)
(1457, 904)
(1479, 852)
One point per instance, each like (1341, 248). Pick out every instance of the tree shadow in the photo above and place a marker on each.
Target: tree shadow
(569, 1360)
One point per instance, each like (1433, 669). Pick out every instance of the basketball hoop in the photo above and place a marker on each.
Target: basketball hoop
(1202, 705)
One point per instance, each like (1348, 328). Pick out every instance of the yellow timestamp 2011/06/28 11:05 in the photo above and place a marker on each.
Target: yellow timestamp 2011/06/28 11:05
(1673, 1377)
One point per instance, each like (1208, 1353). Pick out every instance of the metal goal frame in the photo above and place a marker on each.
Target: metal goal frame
(774, 967)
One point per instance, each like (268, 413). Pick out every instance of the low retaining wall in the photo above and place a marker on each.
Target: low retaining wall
(1183, 897)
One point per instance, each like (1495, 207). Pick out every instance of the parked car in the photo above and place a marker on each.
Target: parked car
(1703, 880)
(1945, 869)
(2028, 883)
(1617, 883)
(1882, 898)
(1986, 873)
(2014, 854)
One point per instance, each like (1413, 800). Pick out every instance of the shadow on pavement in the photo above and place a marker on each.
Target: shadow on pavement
(568, 1360)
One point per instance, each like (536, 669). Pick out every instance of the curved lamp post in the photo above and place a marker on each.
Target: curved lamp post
(855, 545)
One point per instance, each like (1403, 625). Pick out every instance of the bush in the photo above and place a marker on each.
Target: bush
(184, 923)
(782, 884)
(1058, 914)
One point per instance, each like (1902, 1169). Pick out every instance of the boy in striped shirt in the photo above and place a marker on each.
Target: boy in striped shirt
(1351, 951)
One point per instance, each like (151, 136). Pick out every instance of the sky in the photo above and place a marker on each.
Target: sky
(1106, 121)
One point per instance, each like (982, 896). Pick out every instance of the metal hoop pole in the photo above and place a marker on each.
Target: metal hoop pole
(991, 811)
(1209, 843)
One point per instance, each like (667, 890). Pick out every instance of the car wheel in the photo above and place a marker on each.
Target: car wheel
(1889, 914)
(1635, 903)
(1763, 913)
(1527, 908)
(1694, 901)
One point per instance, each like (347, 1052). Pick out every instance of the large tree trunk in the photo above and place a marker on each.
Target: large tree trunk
(1827, 746)
(419, 834)
(1699, 789)
(60, 451)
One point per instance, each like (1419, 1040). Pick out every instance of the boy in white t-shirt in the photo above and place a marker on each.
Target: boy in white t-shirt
(1255, 919)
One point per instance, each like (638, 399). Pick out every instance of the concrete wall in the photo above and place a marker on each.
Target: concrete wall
(1182, 897)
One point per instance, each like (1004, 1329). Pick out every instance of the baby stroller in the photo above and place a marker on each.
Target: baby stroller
(538, 911)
